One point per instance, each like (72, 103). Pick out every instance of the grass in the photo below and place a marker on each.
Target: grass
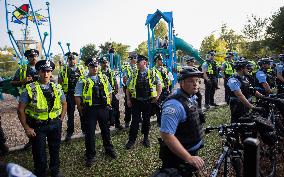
(136, 162)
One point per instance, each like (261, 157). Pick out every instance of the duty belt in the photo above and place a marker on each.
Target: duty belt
(43, 122)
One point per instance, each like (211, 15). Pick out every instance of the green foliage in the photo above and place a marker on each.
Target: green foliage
(139, 161)
(7, 65)
(275, 31)
(119, 48)
(161, 29)
(230, 37)
(254, 33)
(89, 51)
(213, 43)
(142, 48)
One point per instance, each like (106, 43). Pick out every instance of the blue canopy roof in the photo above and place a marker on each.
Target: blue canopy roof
(153, 19)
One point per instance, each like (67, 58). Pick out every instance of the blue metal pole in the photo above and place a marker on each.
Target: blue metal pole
(50, 29)
(46, 55)
(153, 47)
(11, 37)
(111, 56)
(59, 43)
(68, 46)
(149, 47)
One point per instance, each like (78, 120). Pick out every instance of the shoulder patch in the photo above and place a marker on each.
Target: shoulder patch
(233, 81)
(169, 110)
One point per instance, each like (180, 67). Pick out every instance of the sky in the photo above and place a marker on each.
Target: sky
(81, 22)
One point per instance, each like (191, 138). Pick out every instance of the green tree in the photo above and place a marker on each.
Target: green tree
(89, 51)
(119, 48)
(254, 33)
(207, 44)
(142, 48)
(230, 37)
(161, 29)
(275, 31)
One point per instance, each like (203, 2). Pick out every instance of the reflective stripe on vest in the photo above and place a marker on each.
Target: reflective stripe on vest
(23, 75)
(210, 69)
(38, 107)
(132, 84)
(88, 89)
(65, 79)
(229, 69)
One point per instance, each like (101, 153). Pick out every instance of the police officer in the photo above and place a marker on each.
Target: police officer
(68, 78)
(280, 74)
(114, 112)
(190, 62)
(162, 73)
(145, 88)
(262, 81)
(96, 93)
(41, 110)
(227, 69)
(127, 73)
(26, 74)
(210, 75)
(241, 91)
(181, 126)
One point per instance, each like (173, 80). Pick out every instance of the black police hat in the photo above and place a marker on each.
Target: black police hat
(281, 57)
(264, 61)
(212, 52)
(71, 55)
(103, 60)
(241, 63)
(158, 57)
(190, 59)
(189, 71)
(45, 65)
(141, 57)
(91, 62)
(31, 53)
(229, 54)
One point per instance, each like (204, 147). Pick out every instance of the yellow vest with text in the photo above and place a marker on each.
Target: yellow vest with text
(132, 85)
(64, 73)
(228, 68)
(37, 108)
(88, 84)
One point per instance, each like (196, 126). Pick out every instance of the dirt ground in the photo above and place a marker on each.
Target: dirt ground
(15, 133)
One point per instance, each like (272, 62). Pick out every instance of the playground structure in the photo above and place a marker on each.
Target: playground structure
(23, 15)
(174, 43)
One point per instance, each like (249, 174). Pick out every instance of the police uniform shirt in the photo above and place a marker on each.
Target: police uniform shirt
(79, 85)
(280, 68)
(173, 114)
(31, 71)
(234, 84)
(24, 97)
(261, 76)
(204, 66)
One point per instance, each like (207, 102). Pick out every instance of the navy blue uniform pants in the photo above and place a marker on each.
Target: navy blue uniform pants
(93, 115)
(50, 130)
(70, 113)
(138, 108)
(127, 110)
(210, 88)
(114, 113)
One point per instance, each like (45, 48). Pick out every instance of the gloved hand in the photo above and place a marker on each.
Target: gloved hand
(258, 109)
